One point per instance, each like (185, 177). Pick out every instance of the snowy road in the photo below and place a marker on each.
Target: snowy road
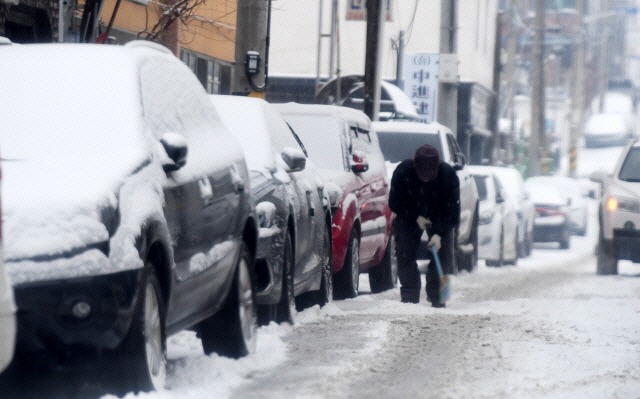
(546, 328)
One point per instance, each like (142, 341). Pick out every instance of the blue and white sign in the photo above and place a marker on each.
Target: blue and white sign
(421, 83)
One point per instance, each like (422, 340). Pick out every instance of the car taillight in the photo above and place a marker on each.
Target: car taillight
(612, 204)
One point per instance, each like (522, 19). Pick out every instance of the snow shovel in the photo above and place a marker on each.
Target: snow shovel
(445, 281)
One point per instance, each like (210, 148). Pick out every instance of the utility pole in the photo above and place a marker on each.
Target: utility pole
(375, 19)
(577, 117)
(604, 56)
(400, 61)
(448, 92)
(537, 136)
(252, 48)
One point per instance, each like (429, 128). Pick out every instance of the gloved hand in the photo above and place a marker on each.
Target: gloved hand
(435, 241)
(423, 222)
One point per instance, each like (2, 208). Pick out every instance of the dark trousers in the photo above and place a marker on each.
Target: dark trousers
(407, 244)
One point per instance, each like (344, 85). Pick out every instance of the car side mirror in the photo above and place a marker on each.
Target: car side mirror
(499, 198)
(359, 163)
(598, 176)
(175, 145)
(460, 161)
(294, 159)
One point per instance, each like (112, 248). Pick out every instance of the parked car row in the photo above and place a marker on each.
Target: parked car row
(136, 206)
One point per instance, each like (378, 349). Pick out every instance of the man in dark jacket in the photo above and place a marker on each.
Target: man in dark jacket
(425, 195)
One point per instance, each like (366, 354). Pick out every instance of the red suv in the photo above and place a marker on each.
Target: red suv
(346, 151)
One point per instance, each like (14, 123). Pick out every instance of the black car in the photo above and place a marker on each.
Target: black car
(128, 213)
(293, 262)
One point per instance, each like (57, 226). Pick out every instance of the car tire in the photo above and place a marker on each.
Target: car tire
(384, 276)
(565, 242)
(286, 308)
(143, 353)
(323, 295)
(283, 311)
(346, 281)
(607, 262)
(514, 261)
(472, 258)
(232, 331)
(500, 261)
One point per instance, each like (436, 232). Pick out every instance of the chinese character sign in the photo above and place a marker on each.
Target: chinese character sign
(421, 83)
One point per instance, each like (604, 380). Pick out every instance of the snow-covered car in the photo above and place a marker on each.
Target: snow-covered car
(399, 141)
(294, 244)
(551, 223)
(578, 211)
(127, 216)
(513, 184)
(607, 129)
(342, 144)
(619, 211)
(498, 223)
(7, 316)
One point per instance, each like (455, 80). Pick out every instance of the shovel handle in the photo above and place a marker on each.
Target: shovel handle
(436, 258)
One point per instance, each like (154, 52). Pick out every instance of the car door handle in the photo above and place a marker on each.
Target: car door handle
(206, 191)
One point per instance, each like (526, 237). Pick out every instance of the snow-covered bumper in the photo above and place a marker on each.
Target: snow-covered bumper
(75, 316)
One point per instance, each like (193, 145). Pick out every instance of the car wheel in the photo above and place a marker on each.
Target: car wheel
(143, 353)
(286, 308)
(232, 331)
(472, 259)
(347, 280)
(607, 261)
(566, 240)
(498, 262)
(514, 261)
(323, 295)
(385, 275)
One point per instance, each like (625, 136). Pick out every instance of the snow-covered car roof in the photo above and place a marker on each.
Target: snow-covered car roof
(252, 133)
(321, 109)
(72, 107)
(409, 127)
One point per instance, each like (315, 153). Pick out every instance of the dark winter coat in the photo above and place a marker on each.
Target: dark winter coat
(437, 200)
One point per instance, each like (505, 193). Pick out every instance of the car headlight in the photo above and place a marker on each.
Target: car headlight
(624, 204)
(486, 217)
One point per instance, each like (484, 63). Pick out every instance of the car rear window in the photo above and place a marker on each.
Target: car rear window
(398, 146)
(630, 170)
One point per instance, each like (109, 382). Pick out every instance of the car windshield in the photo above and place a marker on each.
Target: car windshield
(398, 146)
(321, 135)
(630, 170)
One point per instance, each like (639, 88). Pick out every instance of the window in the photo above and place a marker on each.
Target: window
(630, 170)
(215, 75)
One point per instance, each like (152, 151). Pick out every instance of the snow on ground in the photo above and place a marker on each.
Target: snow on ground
(548, 327)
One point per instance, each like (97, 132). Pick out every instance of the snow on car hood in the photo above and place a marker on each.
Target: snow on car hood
(51, 207)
